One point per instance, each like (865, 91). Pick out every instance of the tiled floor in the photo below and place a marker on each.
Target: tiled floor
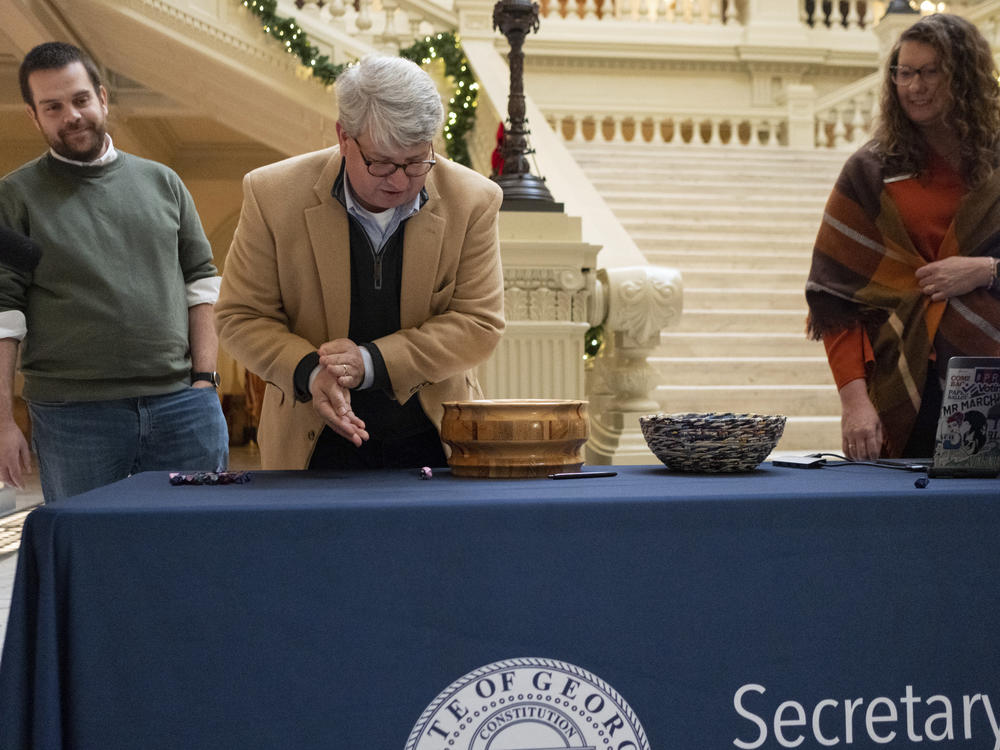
(242, 457)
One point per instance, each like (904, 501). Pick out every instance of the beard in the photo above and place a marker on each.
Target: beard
(84, 142)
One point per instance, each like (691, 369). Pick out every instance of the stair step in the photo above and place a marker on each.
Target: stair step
(773, 262)
(706, 207)
(810, 435)
(732, 228)
(742, 276)
(801, 241)
(675, 343)
(677, 193)
(707, 298)
(788, 399)
(763, 154)
(739, 225)
(722, 370)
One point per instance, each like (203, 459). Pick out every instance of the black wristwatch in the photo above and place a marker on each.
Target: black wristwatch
(209, 377)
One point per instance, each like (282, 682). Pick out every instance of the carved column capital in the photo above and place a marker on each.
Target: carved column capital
(641, 300)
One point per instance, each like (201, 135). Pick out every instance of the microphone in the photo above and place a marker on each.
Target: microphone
(17, 251)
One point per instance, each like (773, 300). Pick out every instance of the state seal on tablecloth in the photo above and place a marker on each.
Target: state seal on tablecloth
(528, 704)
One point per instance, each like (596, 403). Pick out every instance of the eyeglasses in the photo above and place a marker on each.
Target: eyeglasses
(904, 75)
(387, 168)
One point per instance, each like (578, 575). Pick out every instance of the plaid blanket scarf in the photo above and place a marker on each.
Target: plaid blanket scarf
(863, 274)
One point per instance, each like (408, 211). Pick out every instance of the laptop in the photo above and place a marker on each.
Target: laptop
(968, 430)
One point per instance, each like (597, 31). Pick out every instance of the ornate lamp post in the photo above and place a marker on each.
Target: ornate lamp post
(522, 191)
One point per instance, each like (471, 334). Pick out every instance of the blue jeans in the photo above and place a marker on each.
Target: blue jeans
(86, 444)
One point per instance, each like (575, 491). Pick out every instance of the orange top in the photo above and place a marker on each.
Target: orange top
(928, 205)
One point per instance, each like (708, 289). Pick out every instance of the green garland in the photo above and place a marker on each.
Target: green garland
(462, 104)
(445, 46)
(593, 340)
(286, 31)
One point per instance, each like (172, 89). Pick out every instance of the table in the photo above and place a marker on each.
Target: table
(834, 607)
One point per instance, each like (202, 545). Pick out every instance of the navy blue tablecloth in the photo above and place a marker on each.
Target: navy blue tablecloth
(836, 607)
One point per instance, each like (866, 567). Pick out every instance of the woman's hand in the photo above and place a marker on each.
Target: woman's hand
(861, 428)
(954, 276)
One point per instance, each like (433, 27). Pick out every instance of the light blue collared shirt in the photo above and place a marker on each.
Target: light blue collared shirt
(378, 226)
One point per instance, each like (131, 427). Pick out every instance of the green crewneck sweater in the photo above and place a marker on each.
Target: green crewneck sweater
(106, 307)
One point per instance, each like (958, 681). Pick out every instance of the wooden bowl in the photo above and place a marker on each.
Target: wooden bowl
(514, 437)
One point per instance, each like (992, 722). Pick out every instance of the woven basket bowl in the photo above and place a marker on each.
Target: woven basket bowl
(711, 442)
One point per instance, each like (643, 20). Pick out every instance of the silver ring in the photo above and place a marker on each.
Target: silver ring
(345, 370)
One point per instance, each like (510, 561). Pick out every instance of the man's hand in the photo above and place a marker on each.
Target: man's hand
(861, 428)
(15, 457)
(332, 401)
(342, 359)
(954, 276)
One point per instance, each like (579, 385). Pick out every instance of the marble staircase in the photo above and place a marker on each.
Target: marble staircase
(739, 224)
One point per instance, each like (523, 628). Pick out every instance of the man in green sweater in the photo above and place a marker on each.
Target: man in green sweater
(115, 322)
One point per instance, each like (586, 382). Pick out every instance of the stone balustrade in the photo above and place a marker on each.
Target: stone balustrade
(690, 128)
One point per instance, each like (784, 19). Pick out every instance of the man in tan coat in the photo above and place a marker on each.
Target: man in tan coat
(364, 283)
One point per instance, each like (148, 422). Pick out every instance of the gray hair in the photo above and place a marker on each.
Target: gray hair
(392, 99)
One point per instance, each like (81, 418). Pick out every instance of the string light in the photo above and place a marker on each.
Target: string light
(462, 103)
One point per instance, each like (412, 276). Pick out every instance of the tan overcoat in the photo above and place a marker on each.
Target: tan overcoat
(286, 289)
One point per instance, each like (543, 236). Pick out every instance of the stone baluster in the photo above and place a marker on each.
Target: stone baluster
(698, 137)
(364, 19)
(868, 17)
(859, 133)
(772, 134)
(839, 129)
(853, 19)
(727, 11)
(765, 135)
(310, 7)
(715, 132)
(590, 10)
(705, 11)
(390, 36)
(836, 18)
(638, 302)
(337, 9)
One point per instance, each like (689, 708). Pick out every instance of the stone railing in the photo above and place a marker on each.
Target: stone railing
(705, 12)
(844, 119)
(844, 15)
(757, 128)
(363, 25)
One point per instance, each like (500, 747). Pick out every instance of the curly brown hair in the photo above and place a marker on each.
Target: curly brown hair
(966, 62)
